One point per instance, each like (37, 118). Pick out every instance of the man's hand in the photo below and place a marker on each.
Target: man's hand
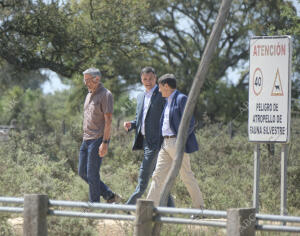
(127, 125)
(103, 149)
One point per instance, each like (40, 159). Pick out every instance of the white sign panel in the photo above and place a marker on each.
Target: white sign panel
(269, 89)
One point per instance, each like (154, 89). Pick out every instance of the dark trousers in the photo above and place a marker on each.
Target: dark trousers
(146, 169)
(89, 168)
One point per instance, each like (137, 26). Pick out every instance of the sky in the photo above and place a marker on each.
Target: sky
(297, 5)
(53, 84)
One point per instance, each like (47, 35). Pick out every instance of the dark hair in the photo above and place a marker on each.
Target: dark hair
(168, 79)
(148, 69)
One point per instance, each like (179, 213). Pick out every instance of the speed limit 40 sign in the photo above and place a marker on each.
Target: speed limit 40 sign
(257, 81)
(269, 89)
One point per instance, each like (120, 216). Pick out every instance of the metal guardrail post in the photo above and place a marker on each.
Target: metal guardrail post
(35, 215)
(241, 222)
(144, 218)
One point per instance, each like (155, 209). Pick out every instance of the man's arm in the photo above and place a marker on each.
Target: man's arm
(130, 125)
(106, 136)
(133, 124)
(192, 122)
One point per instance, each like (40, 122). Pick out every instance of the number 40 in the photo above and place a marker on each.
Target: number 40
(257, 81)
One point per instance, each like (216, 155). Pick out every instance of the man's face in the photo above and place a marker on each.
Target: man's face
(163, 89)
(91, 82)
(148, 80)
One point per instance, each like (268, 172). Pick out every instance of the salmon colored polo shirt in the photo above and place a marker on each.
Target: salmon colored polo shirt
(95, 106)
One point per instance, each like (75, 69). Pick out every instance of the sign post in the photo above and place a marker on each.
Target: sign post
(283, 182)
(256, 177)
(270, 101)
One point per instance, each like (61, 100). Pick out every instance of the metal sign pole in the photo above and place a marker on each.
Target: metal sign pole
(256, 177)
(283, 182)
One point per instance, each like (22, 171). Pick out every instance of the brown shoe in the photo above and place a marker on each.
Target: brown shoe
(114, 199)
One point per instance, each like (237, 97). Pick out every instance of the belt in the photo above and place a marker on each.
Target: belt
(172, 136)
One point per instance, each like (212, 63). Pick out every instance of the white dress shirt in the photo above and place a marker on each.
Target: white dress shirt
(166, 129)
(147, 100)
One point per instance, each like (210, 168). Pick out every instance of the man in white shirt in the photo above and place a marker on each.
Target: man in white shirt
(150, 105)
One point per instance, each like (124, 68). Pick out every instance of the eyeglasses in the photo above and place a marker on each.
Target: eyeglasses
(89, 80)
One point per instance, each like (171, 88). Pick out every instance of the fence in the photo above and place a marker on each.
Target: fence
(238, 222)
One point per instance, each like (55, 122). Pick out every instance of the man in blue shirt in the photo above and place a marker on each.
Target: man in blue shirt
(170, 121)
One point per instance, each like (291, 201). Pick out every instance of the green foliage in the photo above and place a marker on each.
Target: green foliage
(35, 172)
(5, 228)
(38, 160)
(288, 15)
(68, 36)
(71, 226)
(180, 30)
(123, 107)
(120, 37)
(42, 153)
(12, 76)
(27, 108)
(221, 102)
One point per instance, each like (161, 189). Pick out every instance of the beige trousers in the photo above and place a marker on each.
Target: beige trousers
(164, 162)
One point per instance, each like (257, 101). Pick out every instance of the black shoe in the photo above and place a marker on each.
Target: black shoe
(114, 199)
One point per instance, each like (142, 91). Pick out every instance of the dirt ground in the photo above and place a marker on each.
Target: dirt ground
(125, 228)
(112, 228)
(105, 227)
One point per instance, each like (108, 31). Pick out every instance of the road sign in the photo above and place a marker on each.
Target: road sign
(270, 89)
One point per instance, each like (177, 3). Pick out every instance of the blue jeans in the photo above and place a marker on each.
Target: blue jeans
(89, 167)
(146, 169)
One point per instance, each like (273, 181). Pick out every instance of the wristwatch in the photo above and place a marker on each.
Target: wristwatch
(105, 141)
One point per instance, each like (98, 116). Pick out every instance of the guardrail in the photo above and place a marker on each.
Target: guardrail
(241, 221)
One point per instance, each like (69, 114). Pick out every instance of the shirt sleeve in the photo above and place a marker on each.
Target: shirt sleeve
(108, 103)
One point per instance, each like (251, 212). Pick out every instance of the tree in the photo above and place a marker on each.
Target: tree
(11, 76)
(292, 28)
(120, 37)
(180, 31)
(27, 108)
(68, 36)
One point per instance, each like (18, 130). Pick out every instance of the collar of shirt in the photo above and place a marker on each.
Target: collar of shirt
(170, 98)
(166, 129)
(149, 93)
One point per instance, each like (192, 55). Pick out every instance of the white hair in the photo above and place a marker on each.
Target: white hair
(93, 72)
